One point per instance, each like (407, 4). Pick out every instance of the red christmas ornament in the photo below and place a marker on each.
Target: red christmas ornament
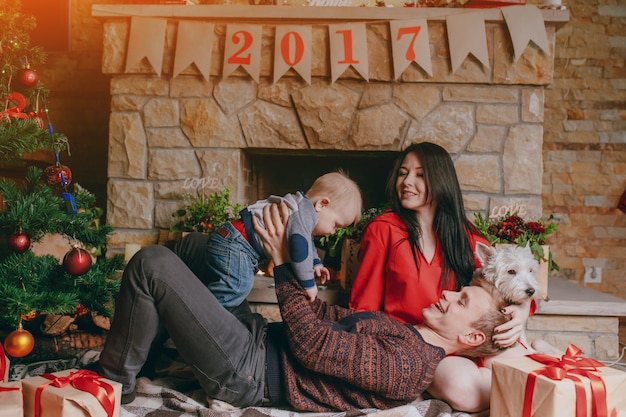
(19, 242)
(80, 310)
(53, 176)
(27, 78)
(77, 261)
(19, 343)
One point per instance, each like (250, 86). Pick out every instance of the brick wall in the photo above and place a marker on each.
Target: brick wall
(585, 143)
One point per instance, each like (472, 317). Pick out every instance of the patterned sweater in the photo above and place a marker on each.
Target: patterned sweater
(340, 359)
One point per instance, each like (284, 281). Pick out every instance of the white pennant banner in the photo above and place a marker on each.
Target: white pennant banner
(146, 40)
(348, 47)
(293, 44)
(467, 35)
(409, 43)
(292, 49)
(525, 24)
(242, 47)
(194, 45)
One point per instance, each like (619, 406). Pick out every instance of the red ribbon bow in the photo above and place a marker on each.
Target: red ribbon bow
(15, 111)
(83, 380)
(572, 365)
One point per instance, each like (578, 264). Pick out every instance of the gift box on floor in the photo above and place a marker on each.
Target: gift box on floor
(5, 364)
(71, 393)
(11, 401)
(544, 386)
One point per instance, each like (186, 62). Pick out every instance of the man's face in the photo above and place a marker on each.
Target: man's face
(454, 313)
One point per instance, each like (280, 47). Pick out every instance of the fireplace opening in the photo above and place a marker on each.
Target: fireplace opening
(281, 172)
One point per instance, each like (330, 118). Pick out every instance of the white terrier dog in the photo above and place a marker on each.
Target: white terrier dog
(513, 271)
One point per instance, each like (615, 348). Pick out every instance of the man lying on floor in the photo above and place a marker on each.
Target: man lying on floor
(320, 358)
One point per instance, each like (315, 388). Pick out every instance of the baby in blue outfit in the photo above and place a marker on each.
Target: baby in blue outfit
(234, 250)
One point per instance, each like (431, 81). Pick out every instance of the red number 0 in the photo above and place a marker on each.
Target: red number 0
(298, 48)
(236, 58)
(415, 30)
(347, 47)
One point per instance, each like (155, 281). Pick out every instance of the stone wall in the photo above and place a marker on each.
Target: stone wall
(584, 147)
(165, 131)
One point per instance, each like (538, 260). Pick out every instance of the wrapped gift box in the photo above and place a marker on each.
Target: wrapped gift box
(5, 364)
(554, 397)
(71, 393)
(11, 401)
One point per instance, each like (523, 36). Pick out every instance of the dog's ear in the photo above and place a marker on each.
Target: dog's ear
(527, 247)
(484, 252)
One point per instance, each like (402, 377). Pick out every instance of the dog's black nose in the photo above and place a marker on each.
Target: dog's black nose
(530, 292)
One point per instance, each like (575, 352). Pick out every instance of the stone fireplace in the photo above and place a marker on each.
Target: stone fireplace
(174, 136)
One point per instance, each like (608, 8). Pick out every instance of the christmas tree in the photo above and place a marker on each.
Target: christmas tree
(42, 204)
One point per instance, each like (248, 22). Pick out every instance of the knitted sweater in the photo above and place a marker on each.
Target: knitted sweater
(340, 359)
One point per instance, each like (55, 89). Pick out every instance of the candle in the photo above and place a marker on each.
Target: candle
(130, 250)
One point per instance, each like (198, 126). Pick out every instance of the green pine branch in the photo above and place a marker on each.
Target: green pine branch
(19, 136)
(37, 209)
(39, 283)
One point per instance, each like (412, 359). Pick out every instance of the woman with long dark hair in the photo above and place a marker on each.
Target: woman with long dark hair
(424, 244)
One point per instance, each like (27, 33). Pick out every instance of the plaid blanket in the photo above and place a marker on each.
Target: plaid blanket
(155, 399)
(173, 391)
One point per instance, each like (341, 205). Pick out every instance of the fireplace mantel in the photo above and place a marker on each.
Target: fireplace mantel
(174, 136)
(303, 13)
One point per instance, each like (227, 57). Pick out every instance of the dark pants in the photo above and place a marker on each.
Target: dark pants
(159, 293)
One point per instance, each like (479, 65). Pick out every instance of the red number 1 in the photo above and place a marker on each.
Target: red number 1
(347, 47)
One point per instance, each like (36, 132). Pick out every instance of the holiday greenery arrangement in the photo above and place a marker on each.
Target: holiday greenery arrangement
(513, 229)
(331, 244)
(203, 213)
(41, 204)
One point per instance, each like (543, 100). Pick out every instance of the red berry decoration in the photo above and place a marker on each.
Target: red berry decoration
(77, 261)
(53, 176)
(19, 242)
(27, 78)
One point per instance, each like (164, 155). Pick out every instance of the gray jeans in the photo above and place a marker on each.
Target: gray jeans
(160, 293)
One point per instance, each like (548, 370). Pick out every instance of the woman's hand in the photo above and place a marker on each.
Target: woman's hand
(273, 235)
(508, 334)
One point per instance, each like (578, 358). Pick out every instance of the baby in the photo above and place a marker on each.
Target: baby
(234, 251)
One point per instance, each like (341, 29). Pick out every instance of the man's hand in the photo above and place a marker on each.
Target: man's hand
(273, 235)
(312, 293)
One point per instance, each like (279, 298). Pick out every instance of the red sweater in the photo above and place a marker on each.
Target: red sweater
(388, 278)
(339, 359)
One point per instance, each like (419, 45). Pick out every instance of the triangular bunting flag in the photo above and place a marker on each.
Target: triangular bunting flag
(467, 35)
(194, 44)
(525, 24)
(242, 47)
(146, 40)
(348, 46)
(409, 43)
(292, 49)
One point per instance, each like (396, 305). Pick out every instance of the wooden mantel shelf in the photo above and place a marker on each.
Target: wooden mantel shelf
(569, 298)
(303, 13)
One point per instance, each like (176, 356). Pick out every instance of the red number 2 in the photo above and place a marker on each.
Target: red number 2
(238, 58)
